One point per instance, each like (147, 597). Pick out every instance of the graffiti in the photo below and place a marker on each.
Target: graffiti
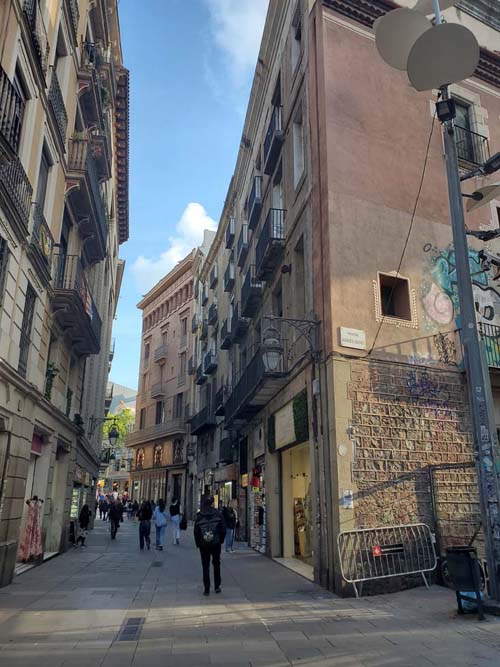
(439, 295)
(446, 348)
(424, 387)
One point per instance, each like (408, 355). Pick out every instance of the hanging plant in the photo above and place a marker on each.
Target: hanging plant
(50, 375)
(301, 417)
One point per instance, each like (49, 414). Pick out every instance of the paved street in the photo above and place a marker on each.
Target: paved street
(114, 605)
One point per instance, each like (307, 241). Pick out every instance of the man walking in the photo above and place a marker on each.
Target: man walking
(209, 535)
(115, 516)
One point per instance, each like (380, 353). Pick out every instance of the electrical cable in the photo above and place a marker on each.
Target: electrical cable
(424, 168)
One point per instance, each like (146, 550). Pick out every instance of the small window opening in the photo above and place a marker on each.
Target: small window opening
(395, 297)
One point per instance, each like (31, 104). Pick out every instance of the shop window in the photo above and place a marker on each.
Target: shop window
(395, 297)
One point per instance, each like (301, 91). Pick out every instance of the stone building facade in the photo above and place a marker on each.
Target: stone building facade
(63, 214)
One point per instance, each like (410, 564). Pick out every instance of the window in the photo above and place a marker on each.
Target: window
(299, 279)
(296, 39)
(298, 148)
(178, 406)
(158, 455)
(43, 179)
(277, 192)
(24, 344)
(147, 348)
(184, 325)
(160, 412)
(395, 297)
(142, 418)
(4, 262)
(182, 370)
(21, 90)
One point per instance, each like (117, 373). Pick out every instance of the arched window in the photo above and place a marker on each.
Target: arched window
(139, 460)
(158, 455)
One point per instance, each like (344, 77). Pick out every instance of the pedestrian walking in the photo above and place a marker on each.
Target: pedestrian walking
(209, 535)
(145, 515)
(175, 517)
(115, 517)
(160, 519)
(129, 510)
(105, 509)
(83, 520)
(230, 520)
(135, 509)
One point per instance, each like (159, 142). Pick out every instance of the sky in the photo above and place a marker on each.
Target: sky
(191, 66)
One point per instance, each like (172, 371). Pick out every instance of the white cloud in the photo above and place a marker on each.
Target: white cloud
(236, 27)
(189, 234)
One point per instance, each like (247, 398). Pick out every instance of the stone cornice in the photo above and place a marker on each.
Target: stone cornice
(366, 11)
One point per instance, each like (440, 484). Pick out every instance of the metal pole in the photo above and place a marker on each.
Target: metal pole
(481, 401)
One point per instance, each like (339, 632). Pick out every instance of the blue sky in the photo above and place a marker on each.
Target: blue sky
(191, 66)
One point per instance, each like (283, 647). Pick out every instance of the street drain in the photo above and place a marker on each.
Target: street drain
(131, 629)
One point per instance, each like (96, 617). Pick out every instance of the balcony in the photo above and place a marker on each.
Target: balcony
(160, 354)
(93, 95)
(202, 421)
(228, 452)
(194, 323)
(230, 231)
(472, 148)
(191, 366)
(272, 142)
(210, 363)
(204, 330)
(271, 244)
(255, 388)
(86, 198)
(214, 276)
(200, 377)
(36, 27)
(181, 379)
(170, 427)
(41, 245)
(255, 202)
(251, 294)
(229, 276)
(226, 334)
(11, 119)
(183, 340)
(204, 295)
(102, 151)
(74, 13)
(57, 106)
(220, 400)
(15, 196)
(242, 248)
(213, 314)
(158, 390)
(239, 325)
(490, 335)
(73, 306)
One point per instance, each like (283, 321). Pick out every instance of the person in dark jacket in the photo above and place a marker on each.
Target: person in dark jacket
(135, 509)
(175, 519)
(230, 518)
(115, 516)
(209, 535)
(83, 520)
(145, 514)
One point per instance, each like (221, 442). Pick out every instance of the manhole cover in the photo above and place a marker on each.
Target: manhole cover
(131, 629)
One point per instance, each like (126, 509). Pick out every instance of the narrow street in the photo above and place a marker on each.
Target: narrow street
(112, 604)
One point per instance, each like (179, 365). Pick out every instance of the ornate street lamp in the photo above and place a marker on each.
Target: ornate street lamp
(272, 350)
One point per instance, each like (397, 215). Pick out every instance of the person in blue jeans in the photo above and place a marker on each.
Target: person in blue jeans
(230, 517)
(160, 519)
(145, 514)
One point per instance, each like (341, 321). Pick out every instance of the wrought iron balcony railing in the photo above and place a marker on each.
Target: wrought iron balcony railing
(472, 147)
(242, 248)
(41, 244)
(226, 334)
(230, 231)
(239, 325)
(210, 363)
(161, 352)
(200, 376)
(204, 330)
(11, 113)
(203, 420)
(194, 323)
(158, 390)
(212, 314)
(38, 32)
(57, 104)
(168, 427)
(191, 366)
(271, 243)
(255, 202)
(16, 196)
(273, 140)
(251, 293)
(74, 13)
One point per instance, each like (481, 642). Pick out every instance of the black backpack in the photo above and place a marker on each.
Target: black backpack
(208, 526)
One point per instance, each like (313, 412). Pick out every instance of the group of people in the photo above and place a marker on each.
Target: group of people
(150, 511)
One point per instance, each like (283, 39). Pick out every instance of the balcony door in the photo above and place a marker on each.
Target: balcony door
(465, 144)
(43, 179)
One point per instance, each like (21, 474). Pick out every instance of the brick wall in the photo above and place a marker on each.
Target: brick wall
(407, 420)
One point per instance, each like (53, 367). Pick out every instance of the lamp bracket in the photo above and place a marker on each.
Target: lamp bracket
(97, 421)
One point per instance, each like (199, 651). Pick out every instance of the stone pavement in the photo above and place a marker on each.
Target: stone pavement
(112, 604)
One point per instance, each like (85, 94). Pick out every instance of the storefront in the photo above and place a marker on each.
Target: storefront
(257, 506)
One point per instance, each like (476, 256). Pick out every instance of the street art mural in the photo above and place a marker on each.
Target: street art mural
(440, 296)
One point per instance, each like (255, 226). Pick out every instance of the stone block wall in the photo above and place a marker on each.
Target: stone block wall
(409, 424)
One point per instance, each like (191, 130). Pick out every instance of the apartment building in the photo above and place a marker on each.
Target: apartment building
(63, 214)
(330, 389)
(160, 442)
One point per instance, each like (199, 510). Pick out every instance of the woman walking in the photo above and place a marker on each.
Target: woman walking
(160, 519)
(175, 518)
(145, 514)
(83, 520)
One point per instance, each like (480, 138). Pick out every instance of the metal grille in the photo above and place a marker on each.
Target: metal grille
(24, 344)
(388, 551)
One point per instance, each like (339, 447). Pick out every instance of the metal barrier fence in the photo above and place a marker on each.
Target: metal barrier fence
(389, 551)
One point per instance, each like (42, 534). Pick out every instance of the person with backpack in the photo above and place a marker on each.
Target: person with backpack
(145, 514)
(175, 517)
(160, 519)
(209, 535)
(115, 516)
(230, 520)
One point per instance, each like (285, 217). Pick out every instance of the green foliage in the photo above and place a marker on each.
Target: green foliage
(50, 375)
(123, 421)
(301, 417)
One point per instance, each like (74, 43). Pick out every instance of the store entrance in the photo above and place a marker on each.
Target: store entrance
(297, 505)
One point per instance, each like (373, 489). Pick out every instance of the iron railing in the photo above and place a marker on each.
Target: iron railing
(255, 202)
(169, 427)
(251, 293)
(204, 330)
(38, 32)
(242, 247)
(202, 420)
(210, 363)
(41, 237)
(194, 323)
(57, 103)
(11, 112)
(74, 13)
(230, 231)
(471, 146)
(70, 277)
(272, 237)
(239, 325)
(200, 376)
(229, 277)
(15, 186)
(160, 352)
(204, 294)
(275, 126)
(490, 335)
(158, 389)
(212, 314)
(220, 400)
(191, 365)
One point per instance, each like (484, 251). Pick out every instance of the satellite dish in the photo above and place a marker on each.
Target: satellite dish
(427, 6)
(395, 34)
(447, 53)
(489, 192)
